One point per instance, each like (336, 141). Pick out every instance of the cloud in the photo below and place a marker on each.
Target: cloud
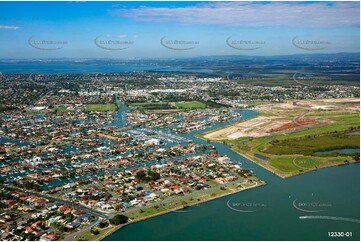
(251, 14)
(9, 27)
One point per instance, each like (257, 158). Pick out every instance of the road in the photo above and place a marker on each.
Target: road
(300, 117)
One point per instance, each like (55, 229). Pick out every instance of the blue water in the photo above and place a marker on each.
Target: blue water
(341, 151)
(119, 115)
(261, 157)
(4, 140)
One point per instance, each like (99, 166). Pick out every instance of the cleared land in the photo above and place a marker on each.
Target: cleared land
(284, 118)
(285, 137)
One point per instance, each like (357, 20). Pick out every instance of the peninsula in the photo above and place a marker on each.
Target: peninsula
(297, 136)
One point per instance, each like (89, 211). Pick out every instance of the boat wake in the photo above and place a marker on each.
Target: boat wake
(331, 218)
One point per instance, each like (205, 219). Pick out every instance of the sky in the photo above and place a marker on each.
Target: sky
(176, 29)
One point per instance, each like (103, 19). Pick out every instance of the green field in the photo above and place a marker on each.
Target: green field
(190, 105)
(61, 109)
(100, 107)
(286, 78)
(310, 144)
(89, 236)
(294, 165)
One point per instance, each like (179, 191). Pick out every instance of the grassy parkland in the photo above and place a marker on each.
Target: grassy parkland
(100, 107)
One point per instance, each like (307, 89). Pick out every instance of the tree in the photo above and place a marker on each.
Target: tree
(140, 175)
(153, 175)
(184, 204)
(30, 237)
(61, 228)
(23, 234)
(103, 224)
(119, 219)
